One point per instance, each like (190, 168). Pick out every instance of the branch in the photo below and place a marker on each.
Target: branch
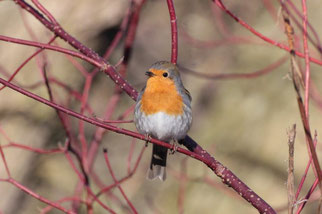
(227, 177)
(40, 198)
(51, 47)
(261, 36)
(117, 183)
(305, 173)
(26, 61)
(174, 32)
(297, 80)
(87, 54)
(290, 178)
(231, 76)
(307, 61)
(195, 152)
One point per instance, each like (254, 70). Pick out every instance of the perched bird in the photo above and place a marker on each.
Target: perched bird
(163, 111)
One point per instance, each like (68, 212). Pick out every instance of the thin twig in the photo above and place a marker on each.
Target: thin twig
(261, 36)
(290, 179)
(297, 80)
(232, 76)
(117, 183)
(38, 197)
(307, 61)
(305, 171)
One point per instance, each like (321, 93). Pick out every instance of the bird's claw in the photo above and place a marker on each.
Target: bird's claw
(147, 139)
(174, 149)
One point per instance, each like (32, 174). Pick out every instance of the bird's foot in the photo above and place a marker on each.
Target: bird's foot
(147, 139)
(174, 149)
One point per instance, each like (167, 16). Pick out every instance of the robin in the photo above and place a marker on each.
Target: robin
(163, 111)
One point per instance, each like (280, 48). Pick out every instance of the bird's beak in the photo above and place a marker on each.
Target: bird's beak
(149, 74)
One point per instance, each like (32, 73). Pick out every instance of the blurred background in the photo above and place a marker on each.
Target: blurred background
(242, 122)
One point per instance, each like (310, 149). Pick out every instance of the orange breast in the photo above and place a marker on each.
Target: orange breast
(161, 95)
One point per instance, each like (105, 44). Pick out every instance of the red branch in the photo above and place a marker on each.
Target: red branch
(40, 198)
(174, 32)
(90, 56)
(305, 174)
(129, 175)
(196, 151)
(4, 161)
(231, 76)
(87, 54)
(259, 35)
(307, 196)
(26, 61)
(117, 183)
(50, 47)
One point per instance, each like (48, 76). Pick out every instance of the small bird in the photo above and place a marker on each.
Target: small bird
(163, 111)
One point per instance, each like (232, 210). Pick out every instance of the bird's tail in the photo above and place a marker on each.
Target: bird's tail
(158, 163)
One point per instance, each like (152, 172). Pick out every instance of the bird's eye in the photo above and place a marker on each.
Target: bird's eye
(165, 74)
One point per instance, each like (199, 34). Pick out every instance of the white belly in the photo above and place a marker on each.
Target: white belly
(163, 126)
